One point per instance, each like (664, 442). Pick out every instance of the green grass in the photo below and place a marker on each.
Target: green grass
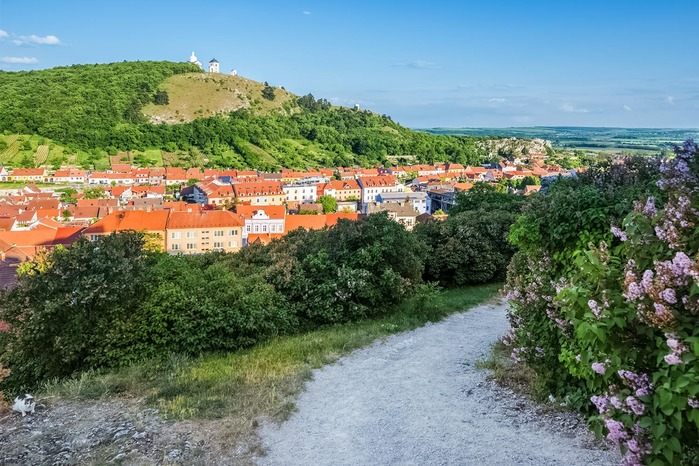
(518, 377)
(263, 380)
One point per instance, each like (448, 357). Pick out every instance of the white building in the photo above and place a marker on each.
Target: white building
(418, 200)
(193, 59)
(213, 66)
(301, 192)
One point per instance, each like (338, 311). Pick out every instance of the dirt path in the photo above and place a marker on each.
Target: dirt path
(418, 399)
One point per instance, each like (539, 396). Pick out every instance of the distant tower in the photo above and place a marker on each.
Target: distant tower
(213, 66)
(193, 59)
(234, 72)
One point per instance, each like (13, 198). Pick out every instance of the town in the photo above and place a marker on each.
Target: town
(191, 211)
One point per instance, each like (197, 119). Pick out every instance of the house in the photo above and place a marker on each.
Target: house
(28, 174)
(196, 232)
(175, 176)
(208, 192)
(372, 186)
(418, 200)
(4, 174)
(260, 192)
(262, 220)
(308, 222)
(156, 176)
(343, 190)
(300, 191)
(70, 176)
(153, 222)
(401, 212)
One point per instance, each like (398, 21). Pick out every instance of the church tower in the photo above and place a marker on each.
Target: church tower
(193, 59)
(213, 66)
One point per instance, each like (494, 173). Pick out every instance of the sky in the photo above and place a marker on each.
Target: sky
(495, 63)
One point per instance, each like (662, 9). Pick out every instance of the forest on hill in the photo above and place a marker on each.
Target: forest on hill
(99, 109)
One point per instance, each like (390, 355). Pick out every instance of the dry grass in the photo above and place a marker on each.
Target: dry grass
(197, 95)
(507, 373)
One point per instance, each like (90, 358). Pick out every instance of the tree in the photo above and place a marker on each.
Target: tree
(268, 92)
(161, 98)
(329, 203)
(27, 161)
(95, 193)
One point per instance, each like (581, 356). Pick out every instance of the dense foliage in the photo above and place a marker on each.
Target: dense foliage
(98, 108)
(114, 301)
(81, 103)
(604, 292)
(471, 245)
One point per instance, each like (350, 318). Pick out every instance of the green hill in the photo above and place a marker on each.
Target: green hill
(91, 111)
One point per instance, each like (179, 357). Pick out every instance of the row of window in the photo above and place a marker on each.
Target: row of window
(193, 234)
(273, 228)
(193, 246)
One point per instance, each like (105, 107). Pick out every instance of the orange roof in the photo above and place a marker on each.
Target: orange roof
(43, 204)
(309, 222)
(47, 213)
(273, 211)
(203, 219)
(138, 220)
(28, 172)
(378, 181)
(463, 186)
(332, 219)
(263, 238)
(72, 173)
(179, 206)
(97, 202)
(258, 188)
(340, 185)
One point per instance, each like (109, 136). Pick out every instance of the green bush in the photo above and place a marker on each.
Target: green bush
(620, 328)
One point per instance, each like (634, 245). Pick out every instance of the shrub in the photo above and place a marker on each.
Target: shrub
(624, 314)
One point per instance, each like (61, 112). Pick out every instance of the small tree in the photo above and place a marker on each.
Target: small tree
(268, 92)
(161, 98)
(329, 204)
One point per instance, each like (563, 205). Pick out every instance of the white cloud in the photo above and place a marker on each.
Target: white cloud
(627, 108)
(34, 39)
(3, 33)
(670, 99)
(306, 12)
(19, 60)
(497, 100)
(568, 108)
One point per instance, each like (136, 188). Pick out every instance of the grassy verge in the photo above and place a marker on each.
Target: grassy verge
(507, 373)
(262, 380)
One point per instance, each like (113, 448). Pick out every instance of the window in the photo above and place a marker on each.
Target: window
(176, 235)
(232, 244)
(176, 247)
(94, 237)
(264, 228)
(218, 245)
(257, 228)
(233, 233)
(191, 234)
(191, 246)
(218, 233)
(248, 228)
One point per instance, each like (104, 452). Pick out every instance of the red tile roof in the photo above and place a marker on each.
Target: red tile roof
(203, 219)
(138, 220)
(273, 211)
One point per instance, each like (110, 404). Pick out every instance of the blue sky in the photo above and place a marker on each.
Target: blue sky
(427, 64)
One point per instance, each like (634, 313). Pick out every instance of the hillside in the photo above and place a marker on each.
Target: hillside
(195, 95)
(175, 113)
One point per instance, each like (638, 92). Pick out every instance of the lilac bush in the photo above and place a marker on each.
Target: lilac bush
(628, 302)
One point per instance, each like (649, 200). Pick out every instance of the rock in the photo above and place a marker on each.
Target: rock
(139, 435)
(118, 458)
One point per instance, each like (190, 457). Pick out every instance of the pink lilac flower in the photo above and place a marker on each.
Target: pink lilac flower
(599, 367)
(668, 295)
(649, 208)
(617, 432)
(693, 402)
(616, 402)
(594, 307)
(647, 281)
(634, 292)
(4, 326)
(636, 406)
(601, 403)
(616, 231)
(673, 359)
(640, 383)
(578, 358)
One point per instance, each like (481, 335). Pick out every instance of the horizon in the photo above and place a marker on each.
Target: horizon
(502, 65)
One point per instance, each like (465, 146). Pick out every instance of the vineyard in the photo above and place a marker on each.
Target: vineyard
(13, 146)
(41, 155)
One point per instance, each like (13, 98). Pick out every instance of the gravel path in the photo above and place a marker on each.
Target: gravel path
(418, 399)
